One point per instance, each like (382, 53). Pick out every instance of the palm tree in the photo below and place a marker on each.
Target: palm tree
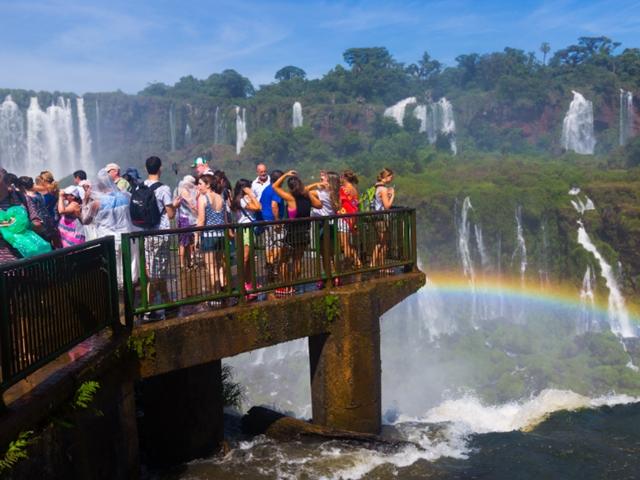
(545, 48)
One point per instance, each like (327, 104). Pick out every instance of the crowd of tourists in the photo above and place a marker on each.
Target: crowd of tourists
(37, 216)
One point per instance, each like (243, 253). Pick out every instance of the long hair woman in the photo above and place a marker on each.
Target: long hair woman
(185, 202)
(383, 200)
(245, 205)
(347, 228)
(211, 212)
(299, 203)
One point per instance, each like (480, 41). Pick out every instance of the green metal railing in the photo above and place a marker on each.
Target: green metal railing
(52, 302)
(181, 267)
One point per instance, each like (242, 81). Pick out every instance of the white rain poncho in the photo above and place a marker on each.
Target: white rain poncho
(188, 194)
(108, 212)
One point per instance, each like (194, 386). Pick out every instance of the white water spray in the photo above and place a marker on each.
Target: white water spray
(437, 118)
(241, 129)
(627, 115)
(86, 162)
(617, 311)
(577, 128)
(172, 128)
(521, 247)
(12, 135)
(297, 115)
(187, 135)
(397, 111)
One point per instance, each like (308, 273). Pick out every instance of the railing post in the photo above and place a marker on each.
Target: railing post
(227, 261)
(326, 252)
(413, 241)
(109, 249)
(240, 263)
(5, 337)
(127, 279)
(144, 292)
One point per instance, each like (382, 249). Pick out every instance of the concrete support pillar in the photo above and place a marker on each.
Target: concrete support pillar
(345, 369)
(182, 414)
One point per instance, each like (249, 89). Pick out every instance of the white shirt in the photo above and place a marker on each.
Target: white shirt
(257, 186)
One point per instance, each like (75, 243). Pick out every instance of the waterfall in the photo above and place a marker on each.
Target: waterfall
(187, 135)
(297, 115)
(521, 247)
(12, 135)
(435, 118)
(172, 128)
(397, 111)
(218, 128)
(463, 240)
(98, 129)
(241, 129)
(617, 311)
(581, 206)
(587, 299)
(626, 116)
(86, 162)
(484, 257)
(577, 128)
(50, 140)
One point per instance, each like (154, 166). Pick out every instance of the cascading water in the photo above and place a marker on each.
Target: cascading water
(587, 299)
(98, 130)
(436, 118)
(397, 111)
(617, 311)
(86, 162)
(484, 257)
(297, 115)
(463, 240)
(626, 116)
(172, 128)
(187, 135)
(521, 247)
(241, 129)
(12, 135)
(577, 128)
(543, 270)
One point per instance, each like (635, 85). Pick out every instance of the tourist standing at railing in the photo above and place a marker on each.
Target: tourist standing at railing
(245, 205)
(70, 210)
(383, 200)
(262, 180)
(46, 186)
(299, 204)
(201, 167)
(273, 209)
(79, 176)
(347, 227)
(45, 224)
(185, 201)
(157, 246)
(328, 191)
(105, 212)
(113, 169)
(211, 212)
(9, 246)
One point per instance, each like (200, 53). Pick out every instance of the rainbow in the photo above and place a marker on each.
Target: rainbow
(564, 295)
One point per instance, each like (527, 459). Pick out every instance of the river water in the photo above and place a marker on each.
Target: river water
(483, 382)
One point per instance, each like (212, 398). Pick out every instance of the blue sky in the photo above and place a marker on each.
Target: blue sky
(103, 46)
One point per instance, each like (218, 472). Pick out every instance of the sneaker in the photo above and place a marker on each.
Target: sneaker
(285, 292)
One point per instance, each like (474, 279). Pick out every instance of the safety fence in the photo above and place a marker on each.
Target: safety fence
(166, 269)
(50, 303)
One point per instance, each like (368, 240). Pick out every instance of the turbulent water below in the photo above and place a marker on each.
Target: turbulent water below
(481, 384)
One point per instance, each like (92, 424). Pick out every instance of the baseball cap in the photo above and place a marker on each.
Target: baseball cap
(199, 161)
(72, 190)
(112, 166)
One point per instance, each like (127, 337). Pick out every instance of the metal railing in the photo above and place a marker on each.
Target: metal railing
(52, 302)
(186, 266)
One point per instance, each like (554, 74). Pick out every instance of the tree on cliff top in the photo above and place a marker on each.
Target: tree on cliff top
(289, 73)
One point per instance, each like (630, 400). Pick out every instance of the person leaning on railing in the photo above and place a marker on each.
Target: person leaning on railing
(299, 204)
(245, 205)
(347, 227)
(273, 209)
(383, 200)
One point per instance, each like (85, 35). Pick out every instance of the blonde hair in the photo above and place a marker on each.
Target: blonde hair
(46, 180)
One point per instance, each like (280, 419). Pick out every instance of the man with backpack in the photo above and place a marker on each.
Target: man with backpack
(152, 208)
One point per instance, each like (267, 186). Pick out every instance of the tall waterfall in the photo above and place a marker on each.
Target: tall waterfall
(397, 111)
(521, 247)
(12, 135)
(50, 139)
(437, 118)
(617, 310)
(85, 137)
(464, 232)
(297, 115)
(577, 128)
(587, 299)
(219, 128)
(626, 116)
(172, 128)
(187, 135)
(241, 129)
(98, 130)
(484, 257)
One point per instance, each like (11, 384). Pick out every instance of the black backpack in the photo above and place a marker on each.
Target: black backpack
(144, 207)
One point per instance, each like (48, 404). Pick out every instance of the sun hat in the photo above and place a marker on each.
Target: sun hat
(72, 190)
(112, 166)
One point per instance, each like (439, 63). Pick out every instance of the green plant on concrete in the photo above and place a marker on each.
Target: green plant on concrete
(16, 451)
(232, 392)
(143, 346)
(85, 395)
(331, 307)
